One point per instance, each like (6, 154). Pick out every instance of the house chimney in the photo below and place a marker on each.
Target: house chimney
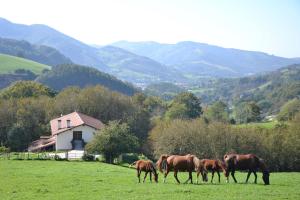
(59, 124)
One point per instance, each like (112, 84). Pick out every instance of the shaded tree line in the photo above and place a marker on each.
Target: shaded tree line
(280, 146)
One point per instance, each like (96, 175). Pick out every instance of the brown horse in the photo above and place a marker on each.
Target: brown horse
(205, 165)
(146, 166)
(176, 163)
(248, 162)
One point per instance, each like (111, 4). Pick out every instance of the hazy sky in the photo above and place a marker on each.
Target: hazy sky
(272, 26)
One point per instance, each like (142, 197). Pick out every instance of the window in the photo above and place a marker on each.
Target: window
(68, 123)
(59, 124)
(77, 135)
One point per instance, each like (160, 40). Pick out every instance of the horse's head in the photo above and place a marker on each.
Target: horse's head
(265, 177)
(160, 161)
(223, 166)
(230, 160)
(266, 173)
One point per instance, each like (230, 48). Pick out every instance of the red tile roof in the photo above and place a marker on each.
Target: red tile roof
(41, 143)
(76, 119)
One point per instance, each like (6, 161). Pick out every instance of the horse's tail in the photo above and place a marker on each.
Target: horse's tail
(132, 164)
(162, 163)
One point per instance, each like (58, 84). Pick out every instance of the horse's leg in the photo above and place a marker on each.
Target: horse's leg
(175, 175)
(219, 176)
(151, 177)
(255, 180)
(146, 173)
(232, 174)
(212, 176)
(249, 173)
(139, 175)
(198, 176)
(166, 174)
(191, 176)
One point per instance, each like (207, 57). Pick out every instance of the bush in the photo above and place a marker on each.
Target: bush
(88, 157)
(3, 149)
(58, 158)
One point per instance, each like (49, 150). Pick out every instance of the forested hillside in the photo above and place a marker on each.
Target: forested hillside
(68, 75)
(270, 91)
(39, 53)
(165, 90)
(135, 68)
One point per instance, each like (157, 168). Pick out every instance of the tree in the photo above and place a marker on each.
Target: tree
(288, 110)
(22, 89)
(247, 112)
(217, 112)
(113, 140)
(18, 138)
(185, 105)
(177, 111)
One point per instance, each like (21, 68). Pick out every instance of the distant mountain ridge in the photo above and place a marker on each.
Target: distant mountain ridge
(138, 69)
(150, 62)
(39, 53)
(130, 67)
(204, 59)
(39, 34)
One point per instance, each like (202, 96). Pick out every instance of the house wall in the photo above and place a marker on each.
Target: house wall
(63, 140)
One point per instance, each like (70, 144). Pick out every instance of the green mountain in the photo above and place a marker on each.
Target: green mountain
(134, 68)
(8, 65)
(39, 53)
(66, 75)
(14, 69)
(270, 90)
(197, 59)
(39, 34)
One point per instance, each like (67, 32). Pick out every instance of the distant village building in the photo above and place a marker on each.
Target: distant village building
(69, 132)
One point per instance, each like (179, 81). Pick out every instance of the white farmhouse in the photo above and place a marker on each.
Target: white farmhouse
(69, 132)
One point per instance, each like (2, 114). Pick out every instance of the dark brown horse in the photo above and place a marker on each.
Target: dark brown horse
(176, 163)
(146, 166)
(205, 165)
(249, 162)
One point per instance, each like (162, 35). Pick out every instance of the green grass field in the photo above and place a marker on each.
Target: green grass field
(8, 64)
(94, 180)
(267, 125)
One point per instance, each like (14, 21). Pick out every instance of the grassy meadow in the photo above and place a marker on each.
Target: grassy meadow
(267, 125)
(94, 180)
(8, 64)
